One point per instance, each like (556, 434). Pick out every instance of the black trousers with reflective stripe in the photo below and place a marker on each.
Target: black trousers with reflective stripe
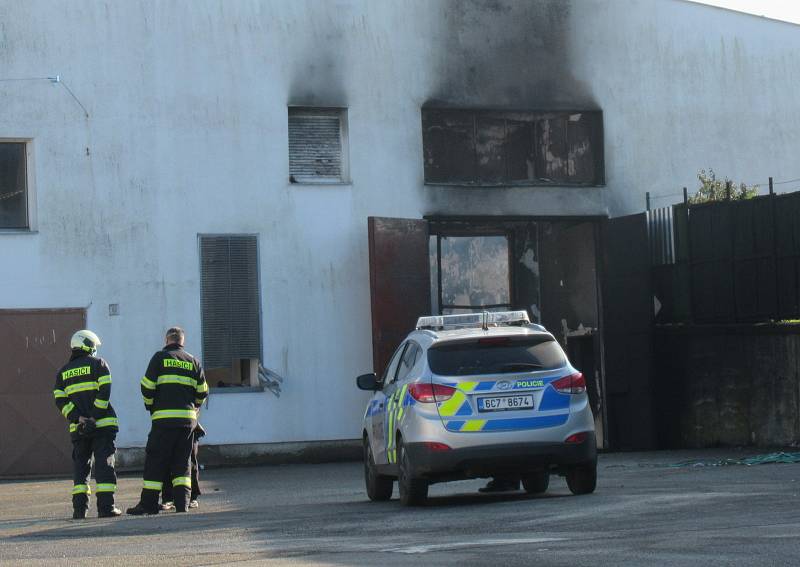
(166, 492)
(167, 456)
(102, 446)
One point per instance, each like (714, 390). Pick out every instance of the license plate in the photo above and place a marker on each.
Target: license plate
(504, 403)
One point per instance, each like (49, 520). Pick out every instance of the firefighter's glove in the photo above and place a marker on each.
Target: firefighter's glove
(86, 427)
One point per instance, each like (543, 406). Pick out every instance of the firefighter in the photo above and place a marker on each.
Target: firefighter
(82, 392)
(173, 388)
(166, 491)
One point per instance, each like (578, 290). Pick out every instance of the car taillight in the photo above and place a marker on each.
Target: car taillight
(576, 438)
(429, 393)
(572, 384)
(436, 447)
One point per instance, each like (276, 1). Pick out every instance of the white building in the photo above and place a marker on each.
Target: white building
(171, 121)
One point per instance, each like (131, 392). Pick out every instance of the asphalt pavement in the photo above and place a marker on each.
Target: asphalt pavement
(644, 512)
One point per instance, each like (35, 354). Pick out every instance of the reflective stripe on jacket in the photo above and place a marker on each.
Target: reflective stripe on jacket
(174, 387)
(83, 389)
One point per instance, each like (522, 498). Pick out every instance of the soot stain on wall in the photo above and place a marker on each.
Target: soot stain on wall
(507, 54)
(319, 72)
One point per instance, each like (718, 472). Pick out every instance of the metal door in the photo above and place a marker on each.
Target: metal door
(400, 283)
(627, 316)
(34, 344)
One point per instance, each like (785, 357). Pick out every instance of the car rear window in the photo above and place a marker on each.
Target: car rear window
(496, 355)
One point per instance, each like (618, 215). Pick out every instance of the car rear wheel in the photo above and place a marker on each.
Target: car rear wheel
(582, 479)
(379, 488)
(413, 490)
(536, 483)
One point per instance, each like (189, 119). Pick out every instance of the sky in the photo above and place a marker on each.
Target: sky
(788, 10)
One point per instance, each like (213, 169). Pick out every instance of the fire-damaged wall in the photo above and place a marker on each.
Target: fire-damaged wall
(727, 386)
(187, 134)
(504, 58)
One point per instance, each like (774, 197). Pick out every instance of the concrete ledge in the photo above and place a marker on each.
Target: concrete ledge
(253, 454)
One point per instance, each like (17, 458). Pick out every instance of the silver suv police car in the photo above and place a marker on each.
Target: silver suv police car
(477, 395)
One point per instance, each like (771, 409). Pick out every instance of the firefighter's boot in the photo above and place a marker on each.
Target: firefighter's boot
(80, 506)
(111, 512)
(140, 510)
(105, 505)
(148, 504)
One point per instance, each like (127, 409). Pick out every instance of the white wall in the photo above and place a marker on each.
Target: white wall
(686, 87)
(187, 134)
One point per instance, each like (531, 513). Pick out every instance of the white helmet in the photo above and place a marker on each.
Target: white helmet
(85, 340)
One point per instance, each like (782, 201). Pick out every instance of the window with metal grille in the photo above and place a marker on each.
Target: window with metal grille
(318, 145)
(231, 309)
(499, 148)
(13, 185)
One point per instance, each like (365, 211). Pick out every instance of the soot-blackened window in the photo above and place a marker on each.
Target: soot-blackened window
(318, 145)
(13, 185)
(485, 148)
(231, 309)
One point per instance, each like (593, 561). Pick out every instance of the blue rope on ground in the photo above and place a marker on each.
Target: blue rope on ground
(780, 457)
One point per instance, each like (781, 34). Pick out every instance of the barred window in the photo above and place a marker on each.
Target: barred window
(318, 145)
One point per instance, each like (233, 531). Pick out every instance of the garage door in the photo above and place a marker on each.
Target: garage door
(33, 435)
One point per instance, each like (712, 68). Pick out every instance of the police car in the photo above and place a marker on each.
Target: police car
(477, 395)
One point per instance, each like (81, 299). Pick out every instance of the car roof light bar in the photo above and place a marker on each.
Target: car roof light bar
(467, 320)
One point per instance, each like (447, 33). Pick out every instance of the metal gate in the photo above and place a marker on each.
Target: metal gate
(400, 281)
(627, 333)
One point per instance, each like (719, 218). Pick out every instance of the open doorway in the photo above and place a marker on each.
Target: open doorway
(443, 265)
(484, 264)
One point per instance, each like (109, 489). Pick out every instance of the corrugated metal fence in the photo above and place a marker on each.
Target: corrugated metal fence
(727, 261)
(660, 230)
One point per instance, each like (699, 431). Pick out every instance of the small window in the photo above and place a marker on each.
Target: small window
(13, 185)
(475, 274)
(391, 368)
(408, 361)
(498, 148)
(231, 310)
(318, 145)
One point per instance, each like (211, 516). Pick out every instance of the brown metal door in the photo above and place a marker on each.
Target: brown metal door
(33, 434)
(399, 270)
(627, 333)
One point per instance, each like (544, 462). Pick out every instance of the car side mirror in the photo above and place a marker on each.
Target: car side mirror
(368, 382)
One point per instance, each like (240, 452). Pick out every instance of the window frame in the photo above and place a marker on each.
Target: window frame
(344, 141)
(386, 380)
(535, 118)
(30, 188)
(410, 344)
(200, 236)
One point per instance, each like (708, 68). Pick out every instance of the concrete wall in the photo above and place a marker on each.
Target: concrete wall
(187, 134)
(727, 386)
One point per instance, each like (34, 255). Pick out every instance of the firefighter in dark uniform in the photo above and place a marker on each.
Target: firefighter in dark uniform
(173, 388)
(166, 491)
(82, 392)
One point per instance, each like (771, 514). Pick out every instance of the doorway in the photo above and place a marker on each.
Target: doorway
(442, 265)
(34, 344)
(484, 264)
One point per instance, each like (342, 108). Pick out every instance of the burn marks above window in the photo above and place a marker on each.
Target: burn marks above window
(13, 185)
(318, 145)
(486, 148)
